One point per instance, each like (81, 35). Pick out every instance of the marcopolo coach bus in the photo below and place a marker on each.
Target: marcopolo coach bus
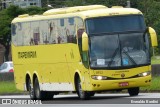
(83, 49)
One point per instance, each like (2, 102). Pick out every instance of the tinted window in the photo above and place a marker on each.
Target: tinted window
(118, 50)
(71, 21)
(115, 24)
(62, 22)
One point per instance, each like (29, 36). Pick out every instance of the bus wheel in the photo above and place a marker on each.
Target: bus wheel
(82, 94)
(39, 94)
(31, 90)
(133, 91)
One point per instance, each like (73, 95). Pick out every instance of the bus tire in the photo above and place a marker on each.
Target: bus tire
(133, 91)
(41, 95)
(84, 95)
(38, 93)
(31, 90)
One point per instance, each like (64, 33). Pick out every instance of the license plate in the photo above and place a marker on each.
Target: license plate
(122, 84)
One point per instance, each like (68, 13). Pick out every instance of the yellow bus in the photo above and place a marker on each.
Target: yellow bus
(83, 49)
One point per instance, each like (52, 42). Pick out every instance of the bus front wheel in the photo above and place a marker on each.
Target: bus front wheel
(84, 95)
(133, 91)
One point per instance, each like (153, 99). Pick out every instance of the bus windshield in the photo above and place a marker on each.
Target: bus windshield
(118, 47)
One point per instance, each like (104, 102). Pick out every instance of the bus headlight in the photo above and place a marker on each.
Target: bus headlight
(96, 77)
(144, 74)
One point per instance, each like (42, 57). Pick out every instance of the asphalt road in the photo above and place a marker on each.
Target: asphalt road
(102, 99)
(98, 99)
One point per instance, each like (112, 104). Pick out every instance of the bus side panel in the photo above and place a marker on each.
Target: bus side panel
(47, 48)
(52, 66)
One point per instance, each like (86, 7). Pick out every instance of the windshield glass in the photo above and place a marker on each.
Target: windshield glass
(119, 50)
(115, 24)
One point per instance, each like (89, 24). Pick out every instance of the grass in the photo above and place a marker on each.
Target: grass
(155, 85)
(155, 60)
(8, 87)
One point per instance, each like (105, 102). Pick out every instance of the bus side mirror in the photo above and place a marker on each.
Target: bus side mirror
(84, 41)
(153, 36)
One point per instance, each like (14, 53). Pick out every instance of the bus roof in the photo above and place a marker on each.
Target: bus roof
(110, 12)
(80, 11)
(72, 9)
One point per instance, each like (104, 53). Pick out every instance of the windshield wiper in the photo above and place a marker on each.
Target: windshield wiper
(124, 51)
(113, 56)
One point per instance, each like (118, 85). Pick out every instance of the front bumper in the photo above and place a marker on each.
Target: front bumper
(103, 85)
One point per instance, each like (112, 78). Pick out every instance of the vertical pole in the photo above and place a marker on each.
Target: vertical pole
(128, 4)
(153, 51)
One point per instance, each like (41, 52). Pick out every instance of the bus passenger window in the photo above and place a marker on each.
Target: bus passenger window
(62, 22)
(71, 21)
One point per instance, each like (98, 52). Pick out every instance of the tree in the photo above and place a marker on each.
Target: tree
(150, 9)
(5, 25)
(33, 10)
(5, 31)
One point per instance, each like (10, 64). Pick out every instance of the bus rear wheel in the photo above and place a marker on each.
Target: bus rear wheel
(31, 90)
(84, 95)
(41, 95)
(133, 91)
